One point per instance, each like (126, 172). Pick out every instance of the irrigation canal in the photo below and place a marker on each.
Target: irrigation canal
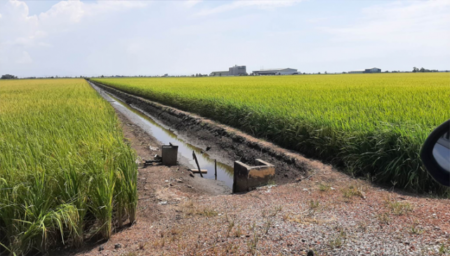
(164, 135)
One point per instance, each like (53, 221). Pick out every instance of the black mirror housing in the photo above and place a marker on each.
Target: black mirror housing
(439, 169)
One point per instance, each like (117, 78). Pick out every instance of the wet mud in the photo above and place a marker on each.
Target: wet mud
(165, 136)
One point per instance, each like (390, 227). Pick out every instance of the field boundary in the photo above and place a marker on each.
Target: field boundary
(237, 145)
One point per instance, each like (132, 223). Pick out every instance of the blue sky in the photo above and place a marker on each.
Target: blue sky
(47, 38)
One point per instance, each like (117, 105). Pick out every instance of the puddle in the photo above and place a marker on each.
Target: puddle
(164, 135)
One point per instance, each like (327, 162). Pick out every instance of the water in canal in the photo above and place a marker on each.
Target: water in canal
(164, 135)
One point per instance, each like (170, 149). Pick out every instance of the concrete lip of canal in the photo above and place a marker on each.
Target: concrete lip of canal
(165, 136)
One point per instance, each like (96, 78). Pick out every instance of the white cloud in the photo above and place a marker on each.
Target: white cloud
(264, 4)
(191, 3)
(400, 25)
(75, 11)
(61, 16)
(23, 33)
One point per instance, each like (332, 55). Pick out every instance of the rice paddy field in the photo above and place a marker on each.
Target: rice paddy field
(66, 173)
(371, 125)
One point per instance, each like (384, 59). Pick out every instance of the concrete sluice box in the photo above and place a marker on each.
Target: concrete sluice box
(248, 177)
(169, 155)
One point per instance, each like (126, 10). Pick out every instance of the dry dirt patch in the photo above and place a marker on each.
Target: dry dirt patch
(328, 213)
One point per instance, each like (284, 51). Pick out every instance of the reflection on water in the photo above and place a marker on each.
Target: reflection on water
(164, 135)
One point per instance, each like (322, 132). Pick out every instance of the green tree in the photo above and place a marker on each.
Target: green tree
(8, 76)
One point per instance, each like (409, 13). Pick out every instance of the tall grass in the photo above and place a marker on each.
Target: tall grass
(373, 124)
(65, 171)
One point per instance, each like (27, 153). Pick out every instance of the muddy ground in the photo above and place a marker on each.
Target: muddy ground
(315, 210)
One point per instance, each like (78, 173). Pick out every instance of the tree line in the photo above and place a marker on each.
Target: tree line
(424, 70)
(8, 76)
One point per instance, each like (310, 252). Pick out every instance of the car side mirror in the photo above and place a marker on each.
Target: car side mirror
(435, 154)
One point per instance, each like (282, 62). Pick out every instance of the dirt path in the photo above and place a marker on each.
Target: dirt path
(328, 213)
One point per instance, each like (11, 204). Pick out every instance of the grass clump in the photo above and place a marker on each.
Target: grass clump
(336, 242)
(65, 170)
(416, 229)
(324, 187)
(314, 204)
(384, 218)
(208, 212)
(398, 208)
(191, 209)
(353, 191)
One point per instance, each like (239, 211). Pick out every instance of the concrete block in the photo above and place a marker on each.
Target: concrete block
(248, 177)
(169, 155)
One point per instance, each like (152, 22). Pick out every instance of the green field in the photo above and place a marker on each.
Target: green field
(65, 171)
(371, 124)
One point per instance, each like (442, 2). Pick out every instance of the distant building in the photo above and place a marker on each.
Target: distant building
(372, 70)
(367, 70)
(219, 73)
(238, 71)
(233, 71)
(278, 71)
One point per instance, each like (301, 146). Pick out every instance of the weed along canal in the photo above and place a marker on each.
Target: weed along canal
(165, 136)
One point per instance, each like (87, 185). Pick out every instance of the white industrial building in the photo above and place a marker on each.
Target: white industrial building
(372, 70)
(238, 71)
(277, 71)
(233, 71)
(367, 70)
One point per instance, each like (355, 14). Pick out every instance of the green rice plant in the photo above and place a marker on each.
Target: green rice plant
(369, 124)
(324, 187)
(65, 170)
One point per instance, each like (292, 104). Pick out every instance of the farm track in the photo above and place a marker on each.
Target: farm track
(328, 213)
